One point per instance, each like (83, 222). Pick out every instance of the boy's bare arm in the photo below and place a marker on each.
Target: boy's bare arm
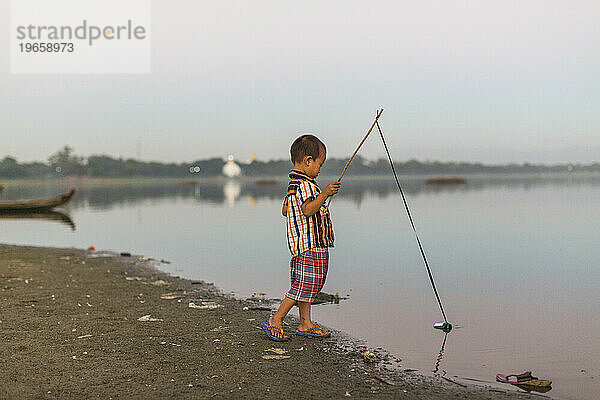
(311, 207)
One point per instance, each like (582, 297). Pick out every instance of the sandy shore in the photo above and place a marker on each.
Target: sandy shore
(70, 328)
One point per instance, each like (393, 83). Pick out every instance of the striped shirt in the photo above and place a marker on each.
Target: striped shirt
(305, 233)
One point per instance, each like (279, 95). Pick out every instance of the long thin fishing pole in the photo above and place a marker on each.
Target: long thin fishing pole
(437, 296)
(356, 151)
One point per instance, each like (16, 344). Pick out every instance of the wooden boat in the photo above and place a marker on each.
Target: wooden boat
(446, 180)
(35, 205)
(265, 181)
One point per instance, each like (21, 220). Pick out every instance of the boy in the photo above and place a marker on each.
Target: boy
(309, 234)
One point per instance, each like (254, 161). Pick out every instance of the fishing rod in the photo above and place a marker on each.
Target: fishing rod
(356, 151)
(445, 326)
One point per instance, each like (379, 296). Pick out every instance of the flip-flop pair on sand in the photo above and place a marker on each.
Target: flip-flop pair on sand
(525, 381)
(276, 334)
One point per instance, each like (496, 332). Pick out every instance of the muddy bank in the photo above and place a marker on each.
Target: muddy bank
(74, 324)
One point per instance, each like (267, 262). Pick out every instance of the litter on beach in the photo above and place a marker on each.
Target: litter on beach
(148, 318)
(277, 350)
(368, 356)
(205, 305)
(219, 329)
(382, 380)
(99, 254)
(275, 357)
(171, 296)
(84, 336)
(453, 381)
(159, 282)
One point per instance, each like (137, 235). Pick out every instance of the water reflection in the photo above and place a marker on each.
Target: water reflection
(110, 194)
(439, 358)
(45, 215)
(231, 191)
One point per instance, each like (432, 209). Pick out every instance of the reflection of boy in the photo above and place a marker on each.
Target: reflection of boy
(309, 234)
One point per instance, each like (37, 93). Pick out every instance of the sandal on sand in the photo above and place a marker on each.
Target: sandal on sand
(515, 378)
(312, 332)
(525, 376)
(274, 333)
(524, 379)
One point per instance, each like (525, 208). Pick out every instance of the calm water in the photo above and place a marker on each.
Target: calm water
(516, 262)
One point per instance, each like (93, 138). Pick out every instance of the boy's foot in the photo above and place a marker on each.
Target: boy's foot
(273, 332)
(315, 332)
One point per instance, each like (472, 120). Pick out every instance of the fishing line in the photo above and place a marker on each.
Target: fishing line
(446, 326)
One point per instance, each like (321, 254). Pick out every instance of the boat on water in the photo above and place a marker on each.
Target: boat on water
(266, 181)
(446, 180)
(13, 206)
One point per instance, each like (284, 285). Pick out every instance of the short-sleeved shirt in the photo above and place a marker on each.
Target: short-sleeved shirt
(305, 233)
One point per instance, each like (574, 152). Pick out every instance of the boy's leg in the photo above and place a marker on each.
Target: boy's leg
(285, 306)
(305, 321)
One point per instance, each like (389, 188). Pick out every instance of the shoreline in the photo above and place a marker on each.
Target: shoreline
(70, 328)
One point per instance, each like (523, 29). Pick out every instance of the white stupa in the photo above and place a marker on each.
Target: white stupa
(231, 169)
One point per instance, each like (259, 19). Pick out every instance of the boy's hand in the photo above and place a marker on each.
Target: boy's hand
(332, 188)
(311, 207)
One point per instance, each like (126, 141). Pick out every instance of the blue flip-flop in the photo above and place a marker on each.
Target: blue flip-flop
(311, 333)
(274, 333)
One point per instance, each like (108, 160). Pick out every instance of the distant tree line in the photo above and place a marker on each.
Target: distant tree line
(65, 163)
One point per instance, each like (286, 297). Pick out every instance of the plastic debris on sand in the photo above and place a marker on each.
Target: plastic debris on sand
(84, 336)
(148, 318)
(368, 356)
(171, 296)
(275, 357)
(276, 350)
(205, 305)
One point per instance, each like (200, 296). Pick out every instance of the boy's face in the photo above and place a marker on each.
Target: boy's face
(313, 166)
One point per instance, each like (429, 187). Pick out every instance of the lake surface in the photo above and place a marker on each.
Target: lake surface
(516, 261)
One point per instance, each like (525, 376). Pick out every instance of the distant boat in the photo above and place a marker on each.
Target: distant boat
(446, 180)
(35, 205)
(265, 181)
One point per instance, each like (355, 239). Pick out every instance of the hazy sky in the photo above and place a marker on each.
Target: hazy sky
(491, 81)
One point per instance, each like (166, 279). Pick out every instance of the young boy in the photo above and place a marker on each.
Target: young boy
(309, 234)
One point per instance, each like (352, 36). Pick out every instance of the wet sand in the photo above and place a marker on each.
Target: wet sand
(70, 328)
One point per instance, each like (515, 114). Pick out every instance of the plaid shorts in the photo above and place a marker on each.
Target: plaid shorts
(308, 271)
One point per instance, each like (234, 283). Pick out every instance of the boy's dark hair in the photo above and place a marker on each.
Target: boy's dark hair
(306, 145)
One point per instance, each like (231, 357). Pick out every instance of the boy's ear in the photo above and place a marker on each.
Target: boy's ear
(306, 159)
